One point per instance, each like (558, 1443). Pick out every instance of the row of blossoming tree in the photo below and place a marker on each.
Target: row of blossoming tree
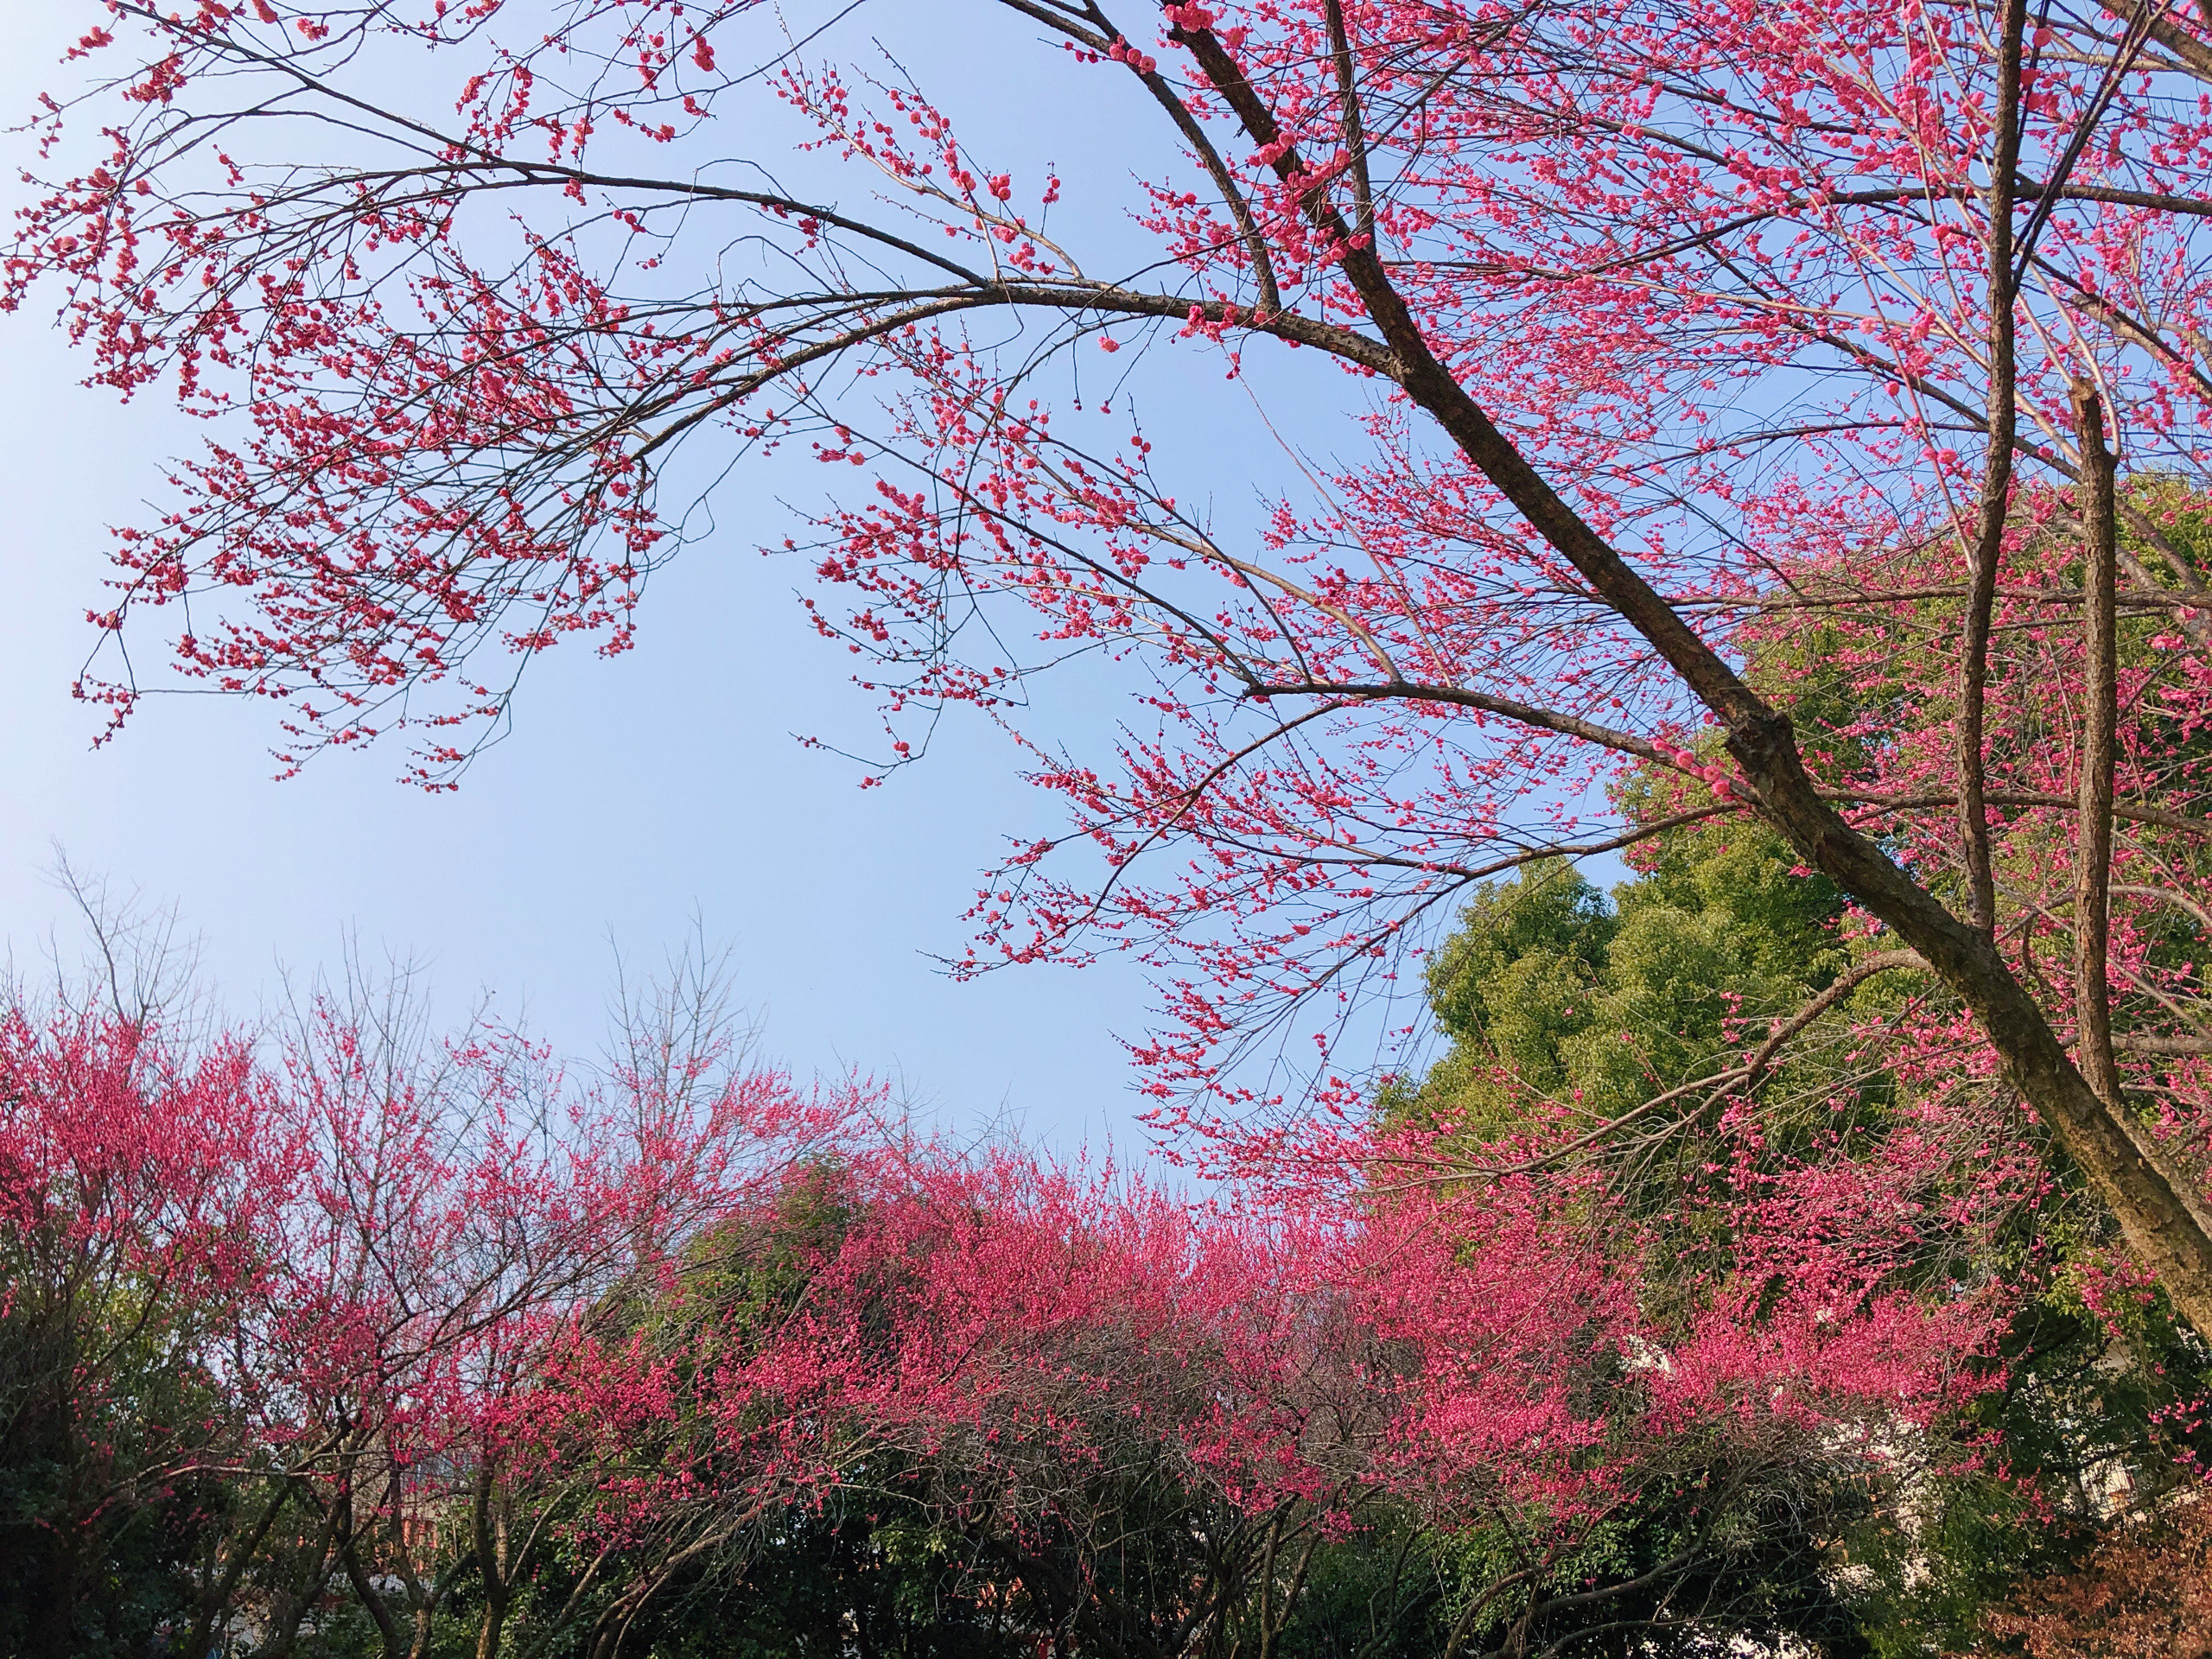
(1778, 423)
(345, 1336)
(341, 1338)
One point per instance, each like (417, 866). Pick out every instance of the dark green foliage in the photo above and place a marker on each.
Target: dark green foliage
(106, 1504)
(1705, 1556)
(868, 1577)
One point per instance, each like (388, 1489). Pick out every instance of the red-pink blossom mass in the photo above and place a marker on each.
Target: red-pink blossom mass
(1760, 445)
(686, 1296)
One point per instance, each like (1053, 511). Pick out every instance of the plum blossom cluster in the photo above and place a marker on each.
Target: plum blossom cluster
(465, 1331)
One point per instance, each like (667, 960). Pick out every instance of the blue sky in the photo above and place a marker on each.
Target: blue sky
(631, 795)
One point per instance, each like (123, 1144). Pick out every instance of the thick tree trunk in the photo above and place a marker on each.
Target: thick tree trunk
(1986, 548)
(2099, 756)
(2162, 1214)
(492, 1564)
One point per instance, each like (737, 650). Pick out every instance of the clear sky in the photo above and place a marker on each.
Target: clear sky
(631, 795)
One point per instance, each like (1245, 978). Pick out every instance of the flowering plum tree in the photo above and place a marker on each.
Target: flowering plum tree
(1635, 312)
(137, 1191)
(278, 1305)
(460, 1354)
(1076, 1372)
